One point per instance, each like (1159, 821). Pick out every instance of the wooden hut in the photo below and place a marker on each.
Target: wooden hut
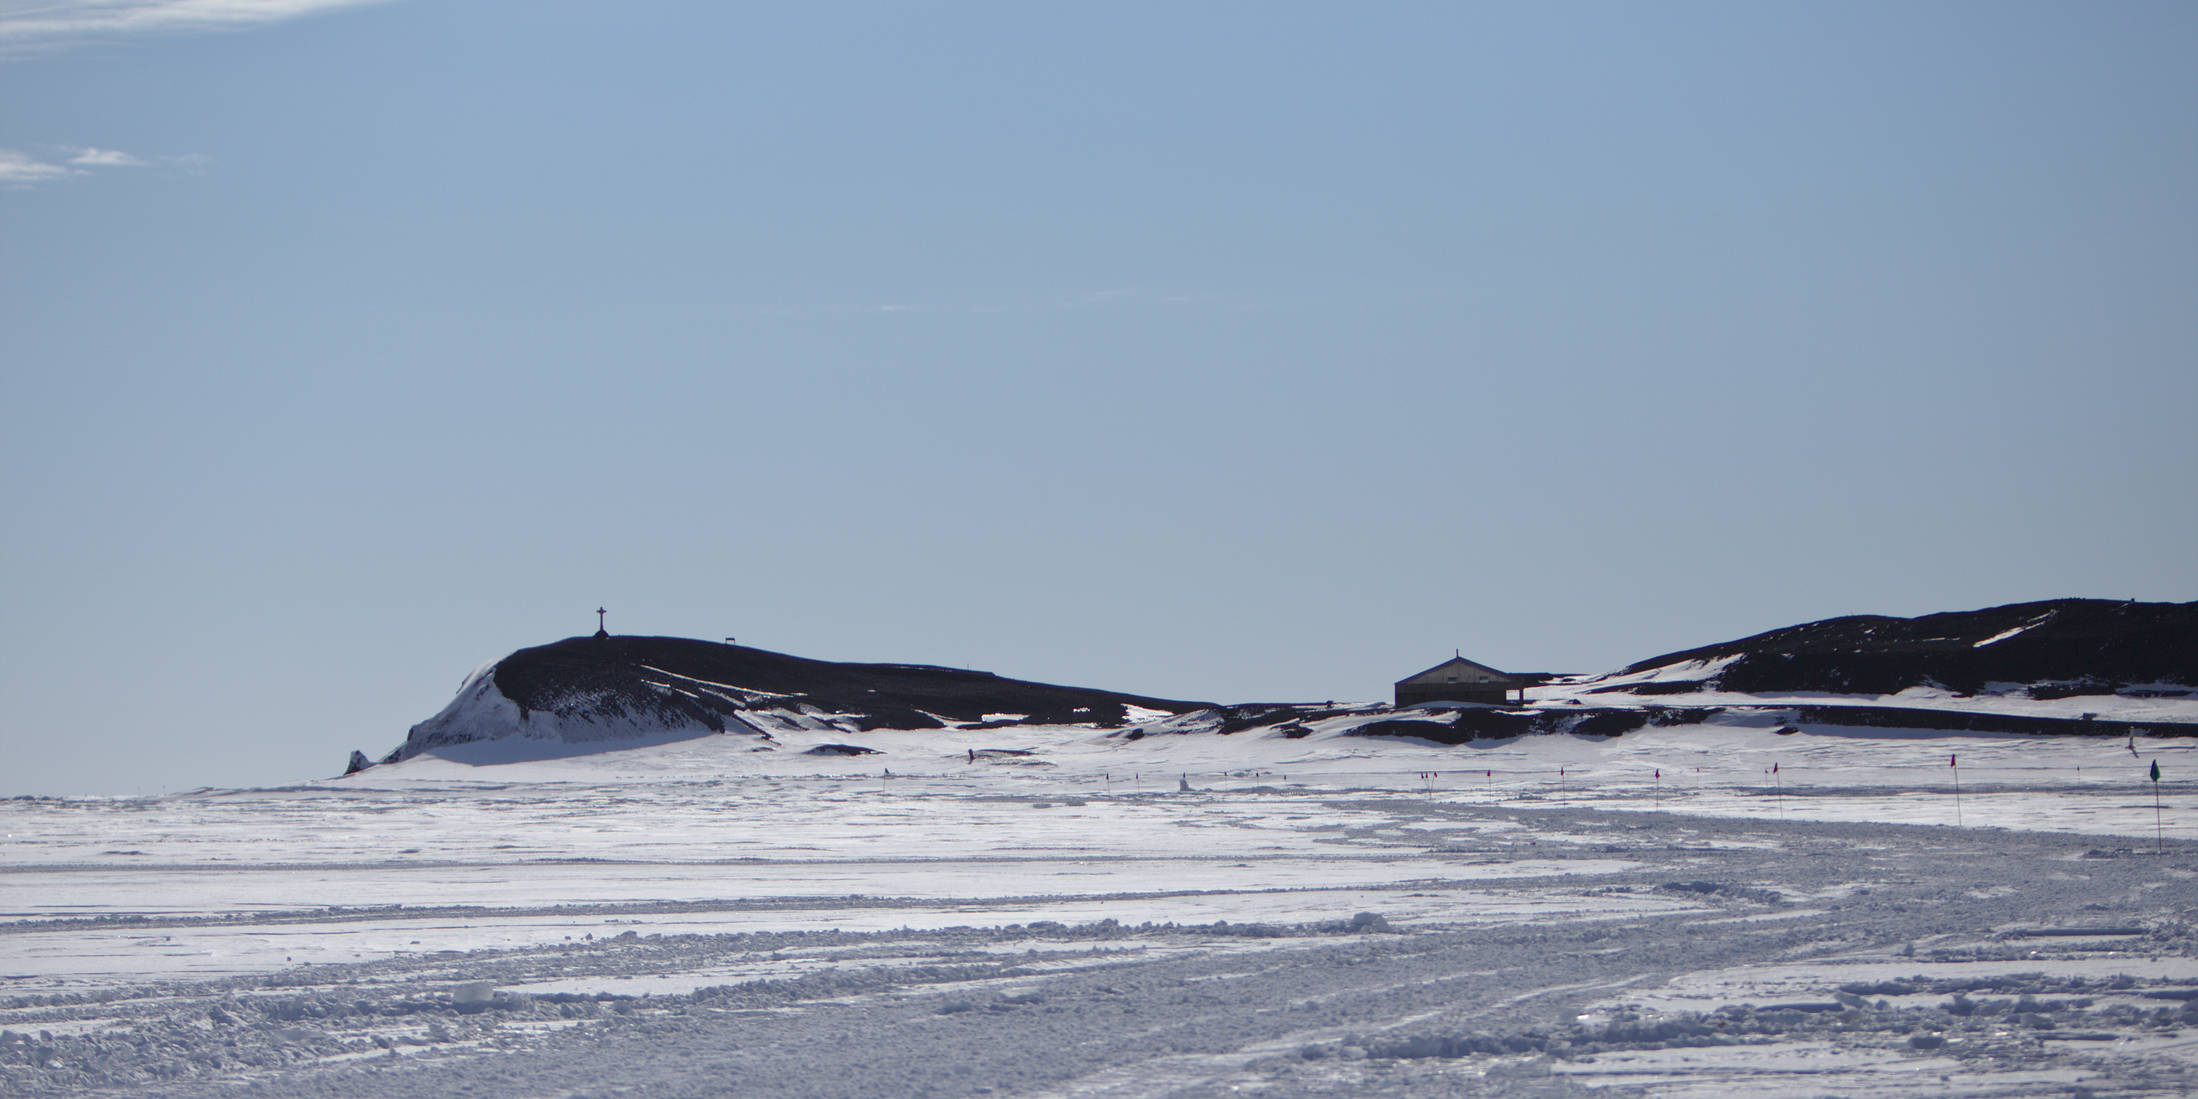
(1460, 680)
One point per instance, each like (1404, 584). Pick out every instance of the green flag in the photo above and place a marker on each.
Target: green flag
(2155, 770)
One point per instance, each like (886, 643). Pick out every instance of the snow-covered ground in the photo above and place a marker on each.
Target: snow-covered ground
(1194, 914)
(2166, 703)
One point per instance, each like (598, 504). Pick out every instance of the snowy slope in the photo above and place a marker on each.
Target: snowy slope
(483, 713)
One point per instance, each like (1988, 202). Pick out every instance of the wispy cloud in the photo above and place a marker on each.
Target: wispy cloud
(50, 24)
(103, 158)
(20, 170)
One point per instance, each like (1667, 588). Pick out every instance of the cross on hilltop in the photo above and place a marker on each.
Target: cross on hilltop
(600, 630)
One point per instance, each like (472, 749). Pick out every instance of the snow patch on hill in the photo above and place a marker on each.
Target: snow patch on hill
(482, 714)
(2015, 631)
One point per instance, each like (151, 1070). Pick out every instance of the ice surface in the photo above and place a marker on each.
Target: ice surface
(1653, 914)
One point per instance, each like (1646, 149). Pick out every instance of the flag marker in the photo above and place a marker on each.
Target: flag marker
(1954, 761)
(2159, 841)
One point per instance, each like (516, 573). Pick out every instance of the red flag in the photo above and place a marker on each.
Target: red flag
(1774, 768)
(1659, 772)
(1950, 760)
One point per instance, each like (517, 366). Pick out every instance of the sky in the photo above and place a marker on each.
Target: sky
(1225, 351)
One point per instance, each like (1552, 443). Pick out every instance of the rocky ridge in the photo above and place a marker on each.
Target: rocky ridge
(2071, 646)
(585, 690)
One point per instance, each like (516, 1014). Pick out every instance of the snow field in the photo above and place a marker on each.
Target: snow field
(1321, 916)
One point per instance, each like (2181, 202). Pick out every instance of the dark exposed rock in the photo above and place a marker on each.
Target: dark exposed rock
(840, 750)
(1469, 723)
(2094, 646)
(623, 688)
(1441, 732)
(900, 696)
(1896, 717)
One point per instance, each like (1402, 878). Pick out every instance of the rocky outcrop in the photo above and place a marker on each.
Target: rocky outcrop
(616, 691)
(2090, 646)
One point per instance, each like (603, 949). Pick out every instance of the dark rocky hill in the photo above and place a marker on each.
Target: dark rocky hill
(596, 693)
(2066, 645)
(608, 689)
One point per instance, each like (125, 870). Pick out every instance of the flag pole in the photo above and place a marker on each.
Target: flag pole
(2159, 841)
(1954, 761)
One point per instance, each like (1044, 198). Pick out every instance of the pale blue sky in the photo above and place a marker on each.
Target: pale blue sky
(1231, 351)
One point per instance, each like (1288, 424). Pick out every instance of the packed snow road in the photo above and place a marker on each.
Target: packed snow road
(1068, 931)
